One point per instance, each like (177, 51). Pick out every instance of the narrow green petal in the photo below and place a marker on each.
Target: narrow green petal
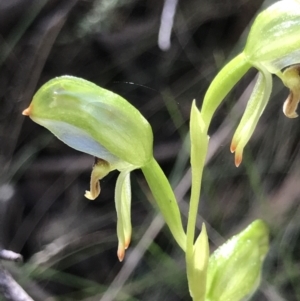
(123, 208)
(255, 107)
(222, 84)
(126, 209)
(165, 199)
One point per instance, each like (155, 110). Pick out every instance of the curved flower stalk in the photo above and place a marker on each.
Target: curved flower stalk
(103, 124)
(273, 45)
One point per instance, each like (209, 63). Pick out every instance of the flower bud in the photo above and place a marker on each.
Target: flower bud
(197, 268)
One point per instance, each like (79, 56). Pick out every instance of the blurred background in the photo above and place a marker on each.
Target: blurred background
(133, 48)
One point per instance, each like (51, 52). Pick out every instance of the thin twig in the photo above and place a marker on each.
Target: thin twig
(10, 255)
(9, 288)
(166, 24)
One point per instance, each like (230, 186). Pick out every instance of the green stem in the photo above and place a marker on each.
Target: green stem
(165, 199)
(199, 146)
(197, 172)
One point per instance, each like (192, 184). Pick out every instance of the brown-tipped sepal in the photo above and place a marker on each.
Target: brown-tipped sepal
(255, 107)
(27, 111)
(123, 208)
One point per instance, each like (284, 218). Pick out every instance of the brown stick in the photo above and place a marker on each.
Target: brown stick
(9, 288)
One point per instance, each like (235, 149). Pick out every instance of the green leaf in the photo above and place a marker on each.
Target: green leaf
(234, 268)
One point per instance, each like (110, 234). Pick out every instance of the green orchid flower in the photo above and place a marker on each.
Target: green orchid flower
(273, 45)
(98, 122)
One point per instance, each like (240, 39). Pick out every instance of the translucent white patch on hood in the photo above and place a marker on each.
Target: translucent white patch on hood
(78, 139)
(283, 62)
